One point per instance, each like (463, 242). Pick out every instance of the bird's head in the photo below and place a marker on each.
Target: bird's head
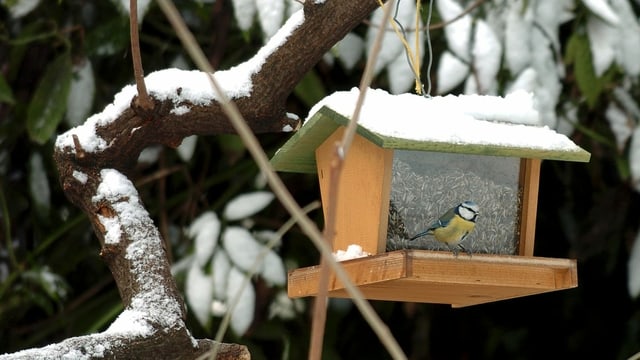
(468, 210)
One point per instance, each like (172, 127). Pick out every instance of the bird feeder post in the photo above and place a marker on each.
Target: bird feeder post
(530, 180)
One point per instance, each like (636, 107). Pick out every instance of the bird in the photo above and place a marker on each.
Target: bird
(454, 226)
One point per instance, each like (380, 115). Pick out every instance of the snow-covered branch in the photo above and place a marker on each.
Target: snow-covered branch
(93, 160)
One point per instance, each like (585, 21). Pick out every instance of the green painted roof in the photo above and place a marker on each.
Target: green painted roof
(298, 153)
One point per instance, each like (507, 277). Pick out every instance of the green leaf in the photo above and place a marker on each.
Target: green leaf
(49, 100)
(6, 95)
(310, 90)
(579, 54)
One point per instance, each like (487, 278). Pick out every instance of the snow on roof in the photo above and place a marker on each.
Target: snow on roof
(473, 124)
(451, 119)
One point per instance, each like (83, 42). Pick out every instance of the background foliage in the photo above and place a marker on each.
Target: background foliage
(62, 61)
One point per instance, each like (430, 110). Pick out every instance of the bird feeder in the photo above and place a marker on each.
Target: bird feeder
(413, 158)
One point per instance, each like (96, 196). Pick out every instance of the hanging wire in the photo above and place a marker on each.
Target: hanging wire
(429, 50)
(414, 61)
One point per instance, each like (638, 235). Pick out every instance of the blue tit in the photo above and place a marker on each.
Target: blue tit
(454, 226)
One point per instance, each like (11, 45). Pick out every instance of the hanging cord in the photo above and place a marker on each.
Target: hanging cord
(429, 49)
(413, 59)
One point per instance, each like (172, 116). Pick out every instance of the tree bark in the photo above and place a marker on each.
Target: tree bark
(152, 325)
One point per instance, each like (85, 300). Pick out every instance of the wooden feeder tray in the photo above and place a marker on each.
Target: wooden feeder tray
(440, 277)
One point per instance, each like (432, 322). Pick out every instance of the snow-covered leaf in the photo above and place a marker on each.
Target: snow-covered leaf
(487, 54)
(150, 155)
(18, 9)
(242, 248)
(451, 72)
(633, 269)
(391, 45)
(199, 293)
(48, 103)
(517, 47)
(123, 6)
(188, 146)
(273, 270)
(205, 230)
(283, 306)
(244, 308)
(526, 80)
(457, 33)
(634, 158)
(620, 124)
(246, 205)
(220, 267)
(401, 77)
(39, 185)
(602, 9)
(268, 236)
(628, 51)
(81, 92)
(603, 40)
(349, 50)
(270, 16)
(244, 11)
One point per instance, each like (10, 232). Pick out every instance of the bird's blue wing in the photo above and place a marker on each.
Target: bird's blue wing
(444, 220)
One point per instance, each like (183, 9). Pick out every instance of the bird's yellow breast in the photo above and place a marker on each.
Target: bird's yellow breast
(455, 230)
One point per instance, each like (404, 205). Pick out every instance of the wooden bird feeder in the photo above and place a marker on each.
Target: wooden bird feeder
(395, 183)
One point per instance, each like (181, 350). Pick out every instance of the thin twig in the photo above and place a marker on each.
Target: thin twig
(143, 100)
(278, 187)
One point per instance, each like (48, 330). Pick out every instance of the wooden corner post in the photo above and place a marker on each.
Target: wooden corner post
(363, 196)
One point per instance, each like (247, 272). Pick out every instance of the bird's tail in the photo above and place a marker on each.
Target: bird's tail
(426, 232)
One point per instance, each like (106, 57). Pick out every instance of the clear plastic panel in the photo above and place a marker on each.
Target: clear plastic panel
(425, 185)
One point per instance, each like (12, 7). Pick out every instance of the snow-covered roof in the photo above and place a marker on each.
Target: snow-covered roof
(473, 124)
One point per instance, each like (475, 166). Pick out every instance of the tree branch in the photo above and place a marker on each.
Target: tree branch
(94, 158)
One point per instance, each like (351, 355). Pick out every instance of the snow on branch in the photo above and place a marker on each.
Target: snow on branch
(94, 158)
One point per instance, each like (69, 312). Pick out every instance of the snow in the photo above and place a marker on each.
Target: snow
(181, 87)
(187, 147)
(132, 323)
(451, 72)
(353, 251)
(144, 251)
(241, 247)
(199, 293)
(620, 124)
(464, 119)
(205, 230)
(246, 205)
(270, 15)
(18, 9)
(244, 11)
(634, 158)
(80, 176)
(602, 9)
(241, 295)
(143, 6)
(457, 33)
(81, 92)
(633, 269)
(273, 271)
(349, 50)
(487, 54)
(517, 48)
(39, 183)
